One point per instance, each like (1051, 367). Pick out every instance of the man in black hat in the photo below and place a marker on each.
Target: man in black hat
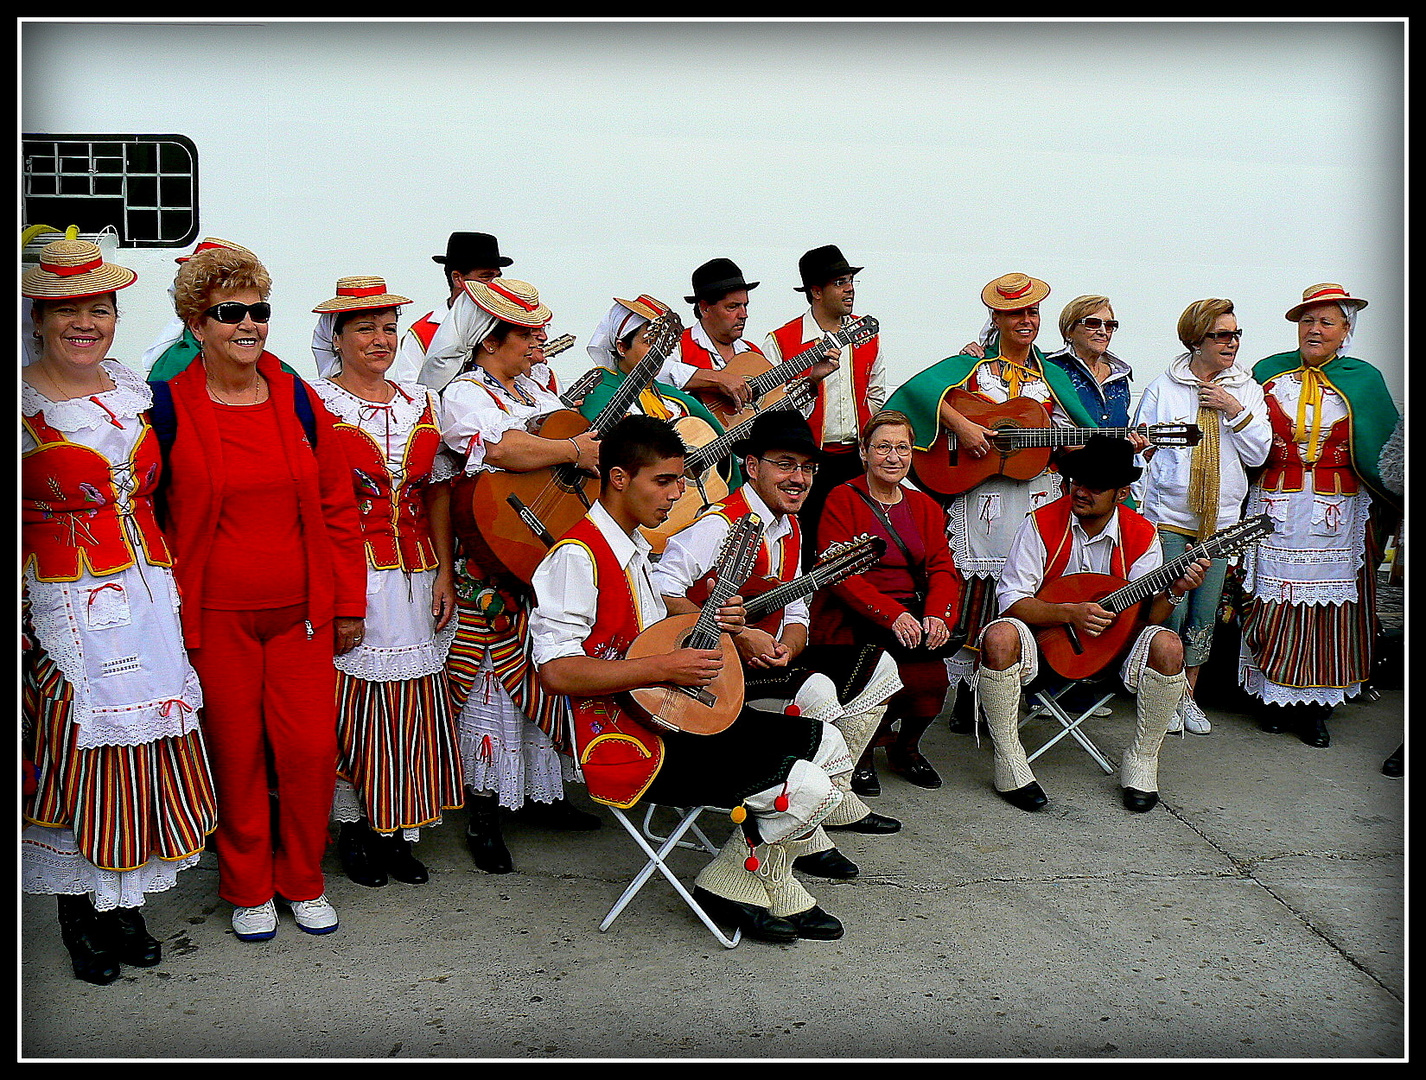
(720, 307)
(470, 256)
(844, 685)
(851, 385)
(1086, 530)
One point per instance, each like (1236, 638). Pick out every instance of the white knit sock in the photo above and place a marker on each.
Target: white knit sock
(1157, 701)
(1000, 698)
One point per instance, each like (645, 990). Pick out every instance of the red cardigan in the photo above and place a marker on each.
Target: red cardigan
(331, 530)
(846, 515)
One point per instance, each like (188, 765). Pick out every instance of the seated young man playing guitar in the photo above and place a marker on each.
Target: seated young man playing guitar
(594, 598)
(847, 685)
(1085, 531)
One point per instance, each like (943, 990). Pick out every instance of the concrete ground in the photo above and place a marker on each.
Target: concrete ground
(1257, 912)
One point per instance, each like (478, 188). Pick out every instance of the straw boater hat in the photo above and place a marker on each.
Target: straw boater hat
(209, 242)
(1013, 292)
(645, 305)
(361, 294)
(1326, 293)
(73, 268)
(509, 300)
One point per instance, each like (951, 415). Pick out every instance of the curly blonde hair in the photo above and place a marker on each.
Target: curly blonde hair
(211, 270)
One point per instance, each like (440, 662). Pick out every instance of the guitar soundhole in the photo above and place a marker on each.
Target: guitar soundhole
(569, 478)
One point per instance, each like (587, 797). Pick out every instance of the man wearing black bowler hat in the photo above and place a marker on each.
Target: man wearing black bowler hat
(845, 685)
(851, 386)
(1086, 530)
(720, 306)
(470, 256)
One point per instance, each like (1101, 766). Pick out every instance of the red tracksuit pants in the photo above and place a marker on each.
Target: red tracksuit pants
(269, 701)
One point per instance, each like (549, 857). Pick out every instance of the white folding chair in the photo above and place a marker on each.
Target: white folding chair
(1045, 702)
(646, 838)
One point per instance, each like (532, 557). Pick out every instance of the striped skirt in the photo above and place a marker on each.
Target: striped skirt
(123, 804)
(396, 745)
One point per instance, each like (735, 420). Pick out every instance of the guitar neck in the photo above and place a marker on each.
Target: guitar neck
(1071, 436)
(715, 450)
(783, 372)
(779, 596)
(1218, 546)
(634, 384)
(734, 564)
(581, 386)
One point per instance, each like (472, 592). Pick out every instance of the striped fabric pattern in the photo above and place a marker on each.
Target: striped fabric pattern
(513, 664)
(124, 804)
(396, 744)
(1309, 646)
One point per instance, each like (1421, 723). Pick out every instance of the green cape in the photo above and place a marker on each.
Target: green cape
(1370, 410)
(179, 355)
(920, 397)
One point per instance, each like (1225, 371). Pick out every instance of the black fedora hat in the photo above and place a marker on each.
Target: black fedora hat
(1104, 462)
(778, 429)
(715, 279)
(471, 250)
(821, 265)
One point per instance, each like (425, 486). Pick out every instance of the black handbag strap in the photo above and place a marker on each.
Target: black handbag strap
(916, 572)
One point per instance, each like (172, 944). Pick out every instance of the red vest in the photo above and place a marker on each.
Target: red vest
(425, 330)
(1136, 536)
(394, 523)
(70, 518)
(1332, 472)
(690, 352)
(735, 507)
(619, 755)
(789, 340)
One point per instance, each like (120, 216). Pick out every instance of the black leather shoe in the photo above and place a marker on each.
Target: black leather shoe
(913, 768)
(357, 851)
(89, 952)
(128, 938)
(865, 781)
(1312, 729)
(1030, 797)
(482, 836)
(1395, 766)
(755, 922)
(872, 823)
(816, 925)
(1140, 801)
(1272, 719)
(829, 864)
(401, 863)
(558, 815)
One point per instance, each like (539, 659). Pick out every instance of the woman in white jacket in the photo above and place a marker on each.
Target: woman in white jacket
(1192, 493)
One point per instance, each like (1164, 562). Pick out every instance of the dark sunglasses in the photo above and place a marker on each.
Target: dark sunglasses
(1093, 323)
(230, 311)
(1222, 336)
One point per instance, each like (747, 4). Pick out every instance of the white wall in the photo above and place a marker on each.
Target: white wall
(1157, 163)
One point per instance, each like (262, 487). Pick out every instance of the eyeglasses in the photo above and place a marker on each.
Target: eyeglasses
(230, 311)
(787, 467)
(1221, 336)
(1094, 323)
(842, 282)
(886, 449)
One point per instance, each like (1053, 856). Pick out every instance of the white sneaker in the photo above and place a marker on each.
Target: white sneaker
(315, 916)
(255, 923)
(1193, 718)
(1176, 721)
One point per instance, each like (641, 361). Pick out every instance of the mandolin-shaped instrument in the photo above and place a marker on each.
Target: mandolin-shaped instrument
(508, 520)
(701, 710)
(1074, 657)
(1021, 445)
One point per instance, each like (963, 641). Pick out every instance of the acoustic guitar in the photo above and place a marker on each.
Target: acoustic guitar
(766, 381)
(1021, 445)
(508, 520)
(701, 710)
(1073, 657)
(555, 346)
(708, 449)
(765, 597)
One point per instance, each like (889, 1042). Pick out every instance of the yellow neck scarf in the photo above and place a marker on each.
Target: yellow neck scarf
(1312, 381)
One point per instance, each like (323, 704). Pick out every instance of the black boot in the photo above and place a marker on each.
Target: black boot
(1312, 725)
(482, 835)
(128, 938)
(963, 711)
(88, 951)
(904, 755)
(1395, 766)
(1274, 719)
(400, 862)
(357, 850)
